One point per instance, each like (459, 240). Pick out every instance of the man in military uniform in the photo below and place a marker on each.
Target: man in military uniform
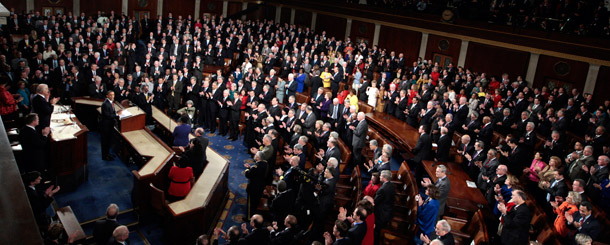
(256, 175)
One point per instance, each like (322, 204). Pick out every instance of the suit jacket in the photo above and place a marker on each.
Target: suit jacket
(384, 204)
(310, 122)
(256, 178)
(575, 169)
(444, 185)
(488, 169)
(423, 148)
(560, 189)
(443, 148)
(360, 134)
(327, 196)
(44, 109)
(102, 231)
(283, 237)
(256, 236)
(516, 225)
(334, 152)
(33, 144)
(282, 204)
(590, 226)
(357, 232)
(39, 203)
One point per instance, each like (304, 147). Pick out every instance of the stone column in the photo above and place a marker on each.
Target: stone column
(29, 5)
(76, 7)
(423, 45)
(278, 14)
(591, 78)
(125, 8)
(531, 68)
(197, 9)
(225, 8)
(292, 14)
(348, 28)
(314, 16)
(159, 7)
(463, 52)
(376, 35)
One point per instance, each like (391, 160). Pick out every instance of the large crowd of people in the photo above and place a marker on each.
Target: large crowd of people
(164, 62)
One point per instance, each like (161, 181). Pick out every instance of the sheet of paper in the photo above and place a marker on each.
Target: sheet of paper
(124, 114)
(471, 184)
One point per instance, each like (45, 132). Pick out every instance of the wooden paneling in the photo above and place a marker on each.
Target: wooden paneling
(182, 7)
(259, 13)
(336, 29)
(151, 7)
(213, 7)
(234, 7)
(19, 5)
(285, 16)
(269, 12)
(66, 4)
(302, 18)
(546, 70)
(602, 85)
(452, 50)
(496, 60)
(91, 7)
(401, 41)
(362, 30)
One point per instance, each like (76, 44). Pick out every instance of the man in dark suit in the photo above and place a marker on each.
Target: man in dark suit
(423, 148)
(285, 236)
(487, 168)
(234, 107)
(223, 114)
(401, 105)
(283, 201)
(412, 112)
(443, 146)
(359, 136)
(291, 86)
(203, 141)
(108, 120)
(358, 230)
(474, 159)
(102, 231)
(331, 151)
(443, 185)
(516, 158)
(516, 222)
(596, 175)
(340, 233)
(33, 144)
(326, 196)
(584, 221)
(335, 113)
(427, 114)
(39, 200)
(557, 187)
(384, 202)
(380, 164)
(258, 235)
(486, 132)
(256, 174)
(42, 104)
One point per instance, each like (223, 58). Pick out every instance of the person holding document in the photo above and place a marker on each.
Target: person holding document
(109, 117)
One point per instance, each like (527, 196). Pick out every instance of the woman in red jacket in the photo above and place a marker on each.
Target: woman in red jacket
(181, 177)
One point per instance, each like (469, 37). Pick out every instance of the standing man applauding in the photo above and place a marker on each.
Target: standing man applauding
(109, 117)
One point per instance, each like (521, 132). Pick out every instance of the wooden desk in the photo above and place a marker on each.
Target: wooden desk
(403, 135)
(148, 145)
(194, 215)
(68, 143)
(461, 197)
(166, 122)
(70, 223)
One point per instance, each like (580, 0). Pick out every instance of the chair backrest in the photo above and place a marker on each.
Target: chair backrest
(346, 154)
(364, 107)
(301, 98)
(157, 199)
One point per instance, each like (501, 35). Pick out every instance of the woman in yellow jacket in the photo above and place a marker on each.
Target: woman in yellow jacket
(326, 76)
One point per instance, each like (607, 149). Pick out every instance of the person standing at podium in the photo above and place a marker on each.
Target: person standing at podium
(109, 117)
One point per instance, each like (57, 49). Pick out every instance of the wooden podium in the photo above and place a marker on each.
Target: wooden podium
(68, 147)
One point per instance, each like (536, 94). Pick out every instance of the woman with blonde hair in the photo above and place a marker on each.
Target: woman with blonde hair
(570, 206)
(547, 174)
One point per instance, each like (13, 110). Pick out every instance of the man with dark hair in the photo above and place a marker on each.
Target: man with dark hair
(285, 236)
(384, 202)
(33, 144)
(103, 229)
(256, 175)
(258, 235)
(39, 200)
(516, 222)
(283, 202)
(109, 117)
(340, 232)
(584, 221)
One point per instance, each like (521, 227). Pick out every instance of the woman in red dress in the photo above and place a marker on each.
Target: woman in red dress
(181, 177)
(373, 186)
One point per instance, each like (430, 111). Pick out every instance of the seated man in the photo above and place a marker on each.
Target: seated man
(103, 229)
